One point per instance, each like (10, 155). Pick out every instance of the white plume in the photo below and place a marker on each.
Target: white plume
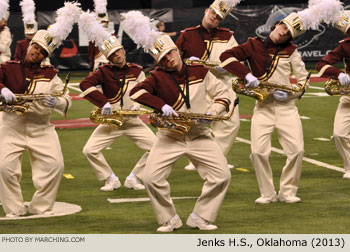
(28, 11)
(138, 27)
(327, 11)
(231, 3)
(100, 6)
(4, 5)
(93, 28)
(66, 17)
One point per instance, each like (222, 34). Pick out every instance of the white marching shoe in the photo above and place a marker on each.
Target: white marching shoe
(346, 175)
(289, 199)
(174, 223)
(110, 185)
(230, 166)
(21, 212)
(190, 167)
(133, 183)
(198, 222)
(266, 200)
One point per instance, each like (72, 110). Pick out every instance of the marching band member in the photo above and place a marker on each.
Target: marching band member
(97, 58)
(341, 133)
(170, 88)
(206, 42)
(274, 59)
(33, 130)
(5, 34)
(116, 78)
(30, 28)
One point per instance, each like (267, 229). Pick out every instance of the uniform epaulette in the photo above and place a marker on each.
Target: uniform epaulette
(134, 65)
(47, 66)
(191, 28)
(346, 40)
(13, 61)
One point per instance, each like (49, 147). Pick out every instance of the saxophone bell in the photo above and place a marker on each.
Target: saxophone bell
(333, 87)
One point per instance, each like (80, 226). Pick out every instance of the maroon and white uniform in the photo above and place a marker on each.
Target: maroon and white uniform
(32, 132)
(209, 48)
(198, 145)
(96, 58)
(272, 114)
(341, 129)
(104, 135)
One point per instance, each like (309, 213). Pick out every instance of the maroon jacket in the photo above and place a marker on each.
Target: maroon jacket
(341, 53)
(254, 51)
(105, 77)
(191, 43)
(11, 75)
(21, 49)
(159, 88)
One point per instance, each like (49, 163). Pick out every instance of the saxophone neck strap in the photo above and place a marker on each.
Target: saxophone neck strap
(186, 96)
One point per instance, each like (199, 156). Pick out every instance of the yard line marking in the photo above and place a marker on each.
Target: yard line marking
(322, 139)
(315, 87)
(309, 160)
(126, 200)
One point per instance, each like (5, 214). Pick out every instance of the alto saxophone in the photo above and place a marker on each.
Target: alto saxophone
(116, 119)
(19, 106)
(182, 122)
(202, 62)
(265, 88)
(333, 87)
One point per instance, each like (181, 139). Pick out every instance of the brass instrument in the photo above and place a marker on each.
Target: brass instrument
(181, 123)
(19, 106)
(116, 119)
(202, 62)
(265, 88)
(333, 87)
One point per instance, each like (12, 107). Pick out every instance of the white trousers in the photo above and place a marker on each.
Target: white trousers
(211, 166)
(285, 119)
(47, 167)
(104, 135)
(341, 133)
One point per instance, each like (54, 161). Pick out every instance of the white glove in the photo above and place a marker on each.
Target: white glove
(220, 69)
(134, 107)
(252, 81)
(344, 79)
(168, 110)
(280, 95)
(50, 101)
(194, 58)
(8, 95)
(106, 109)
(205, 121)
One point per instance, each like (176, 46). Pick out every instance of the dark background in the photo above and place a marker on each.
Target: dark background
(247, 20)
(52, 5)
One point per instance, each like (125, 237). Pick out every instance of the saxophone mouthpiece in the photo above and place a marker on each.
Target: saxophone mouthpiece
(68, 77)
(236, 102)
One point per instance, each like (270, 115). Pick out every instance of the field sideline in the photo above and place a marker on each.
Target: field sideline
(325, 194)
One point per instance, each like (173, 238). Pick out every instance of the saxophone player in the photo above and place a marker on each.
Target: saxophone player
(341, 133)
(273, 58)
(172, 87)
(33, 131)
(116, 78)
(206, 42)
